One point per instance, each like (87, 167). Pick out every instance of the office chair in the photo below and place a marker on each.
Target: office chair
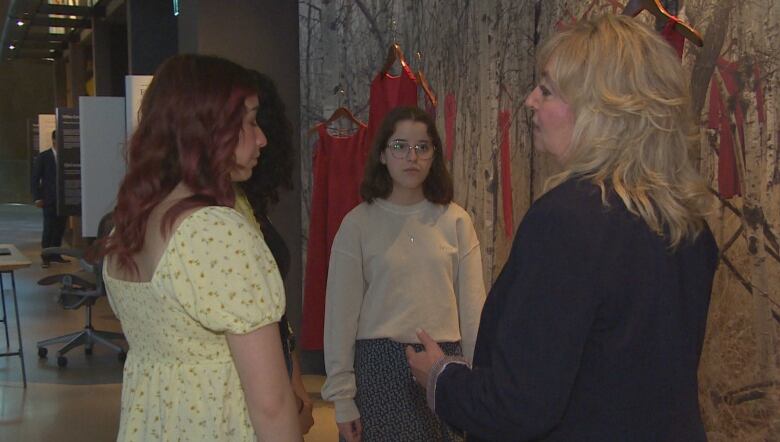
(81, 289)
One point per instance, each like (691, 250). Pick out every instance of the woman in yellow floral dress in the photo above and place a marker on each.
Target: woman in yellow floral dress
(255, 199)
(194, 285)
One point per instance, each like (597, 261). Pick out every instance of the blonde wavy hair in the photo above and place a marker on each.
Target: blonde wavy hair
(633, 122)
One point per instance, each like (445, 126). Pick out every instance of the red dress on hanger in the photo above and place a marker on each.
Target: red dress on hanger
(338, 172)
(388, 92)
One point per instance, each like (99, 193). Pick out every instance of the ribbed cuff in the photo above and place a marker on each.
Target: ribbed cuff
(346, 410)
(433, 376)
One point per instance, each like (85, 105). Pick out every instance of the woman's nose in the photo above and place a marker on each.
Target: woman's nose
(532, 99)
(260, 138)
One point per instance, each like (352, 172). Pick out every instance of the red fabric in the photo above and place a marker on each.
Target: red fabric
(674, 38)
(450, 118)
(387, 93)
(728, 179)
(338, 171)
(713, 115)
(504, 123)
(728, 73)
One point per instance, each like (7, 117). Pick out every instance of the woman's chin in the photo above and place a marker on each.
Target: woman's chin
(238, 177)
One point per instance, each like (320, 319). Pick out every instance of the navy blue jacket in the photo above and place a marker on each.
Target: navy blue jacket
(44, 179)
(592, 331)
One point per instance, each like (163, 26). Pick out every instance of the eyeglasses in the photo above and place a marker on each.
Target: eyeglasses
(400, 149)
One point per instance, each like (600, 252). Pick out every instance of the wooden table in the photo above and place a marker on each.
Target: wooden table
(12, 259)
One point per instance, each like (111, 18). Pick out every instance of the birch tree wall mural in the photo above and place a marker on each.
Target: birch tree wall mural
(479, 58)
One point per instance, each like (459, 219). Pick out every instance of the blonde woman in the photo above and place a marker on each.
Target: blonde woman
(594, 328)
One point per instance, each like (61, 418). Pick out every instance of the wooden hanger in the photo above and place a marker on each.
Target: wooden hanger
(634, 7)
(426, 88)
(393, 54)
(341, 112)
(424, 82)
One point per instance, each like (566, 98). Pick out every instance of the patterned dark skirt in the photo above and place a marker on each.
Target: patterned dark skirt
(392, 406)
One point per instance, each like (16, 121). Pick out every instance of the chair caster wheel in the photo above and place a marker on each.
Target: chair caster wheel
(121, 356)
(42, 352)
(62, 361)
(88, 351)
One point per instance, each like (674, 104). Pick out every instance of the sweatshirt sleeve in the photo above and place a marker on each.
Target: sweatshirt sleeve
(544, 320)
(470, 286)
(344, 297)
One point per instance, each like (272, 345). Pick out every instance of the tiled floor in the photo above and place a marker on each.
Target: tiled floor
(79, 402)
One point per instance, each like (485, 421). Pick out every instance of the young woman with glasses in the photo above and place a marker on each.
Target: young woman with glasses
(406, 257)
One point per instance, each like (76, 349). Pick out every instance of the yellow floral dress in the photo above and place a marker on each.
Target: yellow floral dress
(216, 276)
(243, 207)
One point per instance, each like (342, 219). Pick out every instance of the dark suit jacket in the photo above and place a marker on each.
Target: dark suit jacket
(44, 179)
(592, 331)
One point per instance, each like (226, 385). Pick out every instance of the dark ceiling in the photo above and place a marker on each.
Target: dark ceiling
(38, 30)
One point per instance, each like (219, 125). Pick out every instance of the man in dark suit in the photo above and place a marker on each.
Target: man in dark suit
(44, 188)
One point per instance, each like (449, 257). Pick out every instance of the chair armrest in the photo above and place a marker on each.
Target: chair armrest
(52, 279)
(87, 266)
(92, 293)
(84, 280)
(77, 298)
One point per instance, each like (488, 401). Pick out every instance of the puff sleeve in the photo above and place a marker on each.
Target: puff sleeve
(224, 276)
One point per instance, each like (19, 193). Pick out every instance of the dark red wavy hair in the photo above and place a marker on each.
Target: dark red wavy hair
(190, 120)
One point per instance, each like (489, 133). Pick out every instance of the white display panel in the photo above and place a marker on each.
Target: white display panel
(103, 137)
(135, 86)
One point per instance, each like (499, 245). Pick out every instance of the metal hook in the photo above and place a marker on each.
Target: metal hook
(394, 30)
(339, 90)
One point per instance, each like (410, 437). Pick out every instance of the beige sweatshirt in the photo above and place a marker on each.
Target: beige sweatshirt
(393, 269)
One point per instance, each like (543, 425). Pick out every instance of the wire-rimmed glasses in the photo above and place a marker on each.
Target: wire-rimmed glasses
(399, 149)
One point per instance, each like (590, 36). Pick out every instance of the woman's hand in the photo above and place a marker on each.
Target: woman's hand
(305, 406)
(351, 431)
(421, 363)
(305, 418)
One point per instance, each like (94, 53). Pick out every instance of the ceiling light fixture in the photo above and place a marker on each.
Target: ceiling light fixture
(19, 23)
(11, 47)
